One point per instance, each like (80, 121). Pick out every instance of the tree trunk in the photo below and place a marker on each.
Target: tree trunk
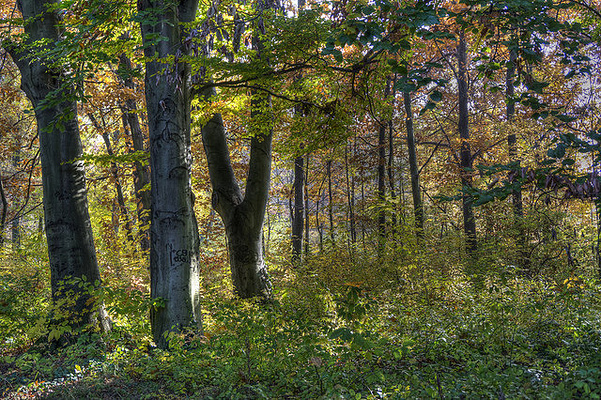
(380, 247)
(381, 187)
(318, 223)
(141, 171)
(469, 221)
(16, 221)
(298, 217)
(71, 249)
(597, 245)
(516, 195)
(115, 173)
(306, 189)
(390, 170)
(242, 215)
(350, 183)
(4, 212)
(382, 177)
(174, 253)
(418, 208)
(330, 201)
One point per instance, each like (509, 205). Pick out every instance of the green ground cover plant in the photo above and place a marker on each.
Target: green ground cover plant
(433, 336)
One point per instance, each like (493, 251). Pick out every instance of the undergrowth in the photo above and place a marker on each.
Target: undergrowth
(423, 333)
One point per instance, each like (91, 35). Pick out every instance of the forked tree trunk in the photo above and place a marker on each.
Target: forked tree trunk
(242, 215)
(469, 221)
(71, 249)
(174, 253)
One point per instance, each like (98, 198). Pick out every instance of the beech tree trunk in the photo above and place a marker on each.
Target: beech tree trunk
(174, 253)
(242, 215)
(469, 221)
(141, 171)
(418, 208)
(71, 249)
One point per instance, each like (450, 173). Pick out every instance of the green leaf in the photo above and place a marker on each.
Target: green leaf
(429, 106)
(568, 161)
(368, 10)
(436, 96)
(342, 333)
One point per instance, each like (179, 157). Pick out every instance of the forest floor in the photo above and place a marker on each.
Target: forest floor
(501, 337)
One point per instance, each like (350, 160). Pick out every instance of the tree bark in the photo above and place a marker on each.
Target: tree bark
(306, 189)
(516, 195)
(390, 171)
(381, 187)
(174, 253)
(418, 208)
(141, 171)
(4, 212)
(597, 245)
(382, 173)
(350, 183)
(330, 201)
(71, 249)
(318, 223)
(511, 138)
(242, 215)
(469, 221)
(16, 221)
(115, 173)
(298, 216)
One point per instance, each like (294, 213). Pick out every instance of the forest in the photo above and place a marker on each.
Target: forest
(343, 199)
